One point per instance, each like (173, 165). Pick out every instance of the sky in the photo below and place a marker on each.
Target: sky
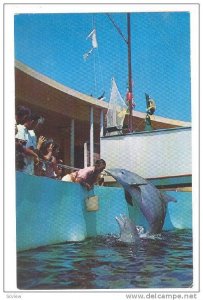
(54, 45)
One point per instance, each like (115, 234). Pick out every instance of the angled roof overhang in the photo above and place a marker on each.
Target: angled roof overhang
(42, 92)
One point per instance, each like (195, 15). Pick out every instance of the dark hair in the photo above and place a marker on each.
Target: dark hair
(45, 145)
(34, 117)
(56, 147)
(99, 162)
(22, 114)
(22, 110)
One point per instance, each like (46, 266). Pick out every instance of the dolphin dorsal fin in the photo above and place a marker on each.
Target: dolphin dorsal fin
(168, 198)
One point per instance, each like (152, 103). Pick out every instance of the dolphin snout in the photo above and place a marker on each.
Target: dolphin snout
(120, 220)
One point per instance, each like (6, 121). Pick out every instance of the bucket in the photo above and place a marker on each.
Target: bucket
(92, 203)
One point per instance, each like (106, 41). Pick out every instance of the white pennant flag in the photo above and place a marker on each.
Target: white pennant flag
(93, 37)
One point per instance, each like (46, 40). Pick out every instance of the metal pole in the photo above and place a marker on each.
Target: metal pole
(101, 123)
(72, 143)
(91, 136)
(129, 71)
(85, 154)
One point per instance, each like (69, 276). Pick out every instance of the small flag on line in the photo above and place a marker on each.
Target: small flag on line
(93, 38)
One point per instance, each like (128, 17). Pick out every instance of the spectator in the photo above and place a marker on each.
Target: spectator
(47, 153)
(35, 126)
(22, 113)
(20, 156)
(26, 144)
(38, 122)
(60, 169)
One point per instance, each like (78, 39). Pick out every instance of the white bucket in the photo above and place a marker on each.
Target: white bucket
(92, 203)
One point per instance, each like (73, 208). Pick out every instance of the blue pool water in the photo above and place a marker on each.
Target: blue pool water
(105, 263)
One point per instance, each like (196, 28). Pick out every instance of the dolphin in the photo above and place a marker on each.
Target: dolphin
(128, 231)
(138, 191)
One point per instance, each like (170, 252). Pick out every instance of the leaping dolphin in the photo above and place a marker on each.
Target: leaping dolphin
(151, 202)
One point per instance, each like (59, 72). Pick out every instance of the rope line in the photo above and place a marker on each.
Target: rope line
(59, 165)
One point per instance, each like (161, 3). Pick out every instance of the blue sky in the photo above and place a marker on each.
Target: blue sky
(54, 44)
